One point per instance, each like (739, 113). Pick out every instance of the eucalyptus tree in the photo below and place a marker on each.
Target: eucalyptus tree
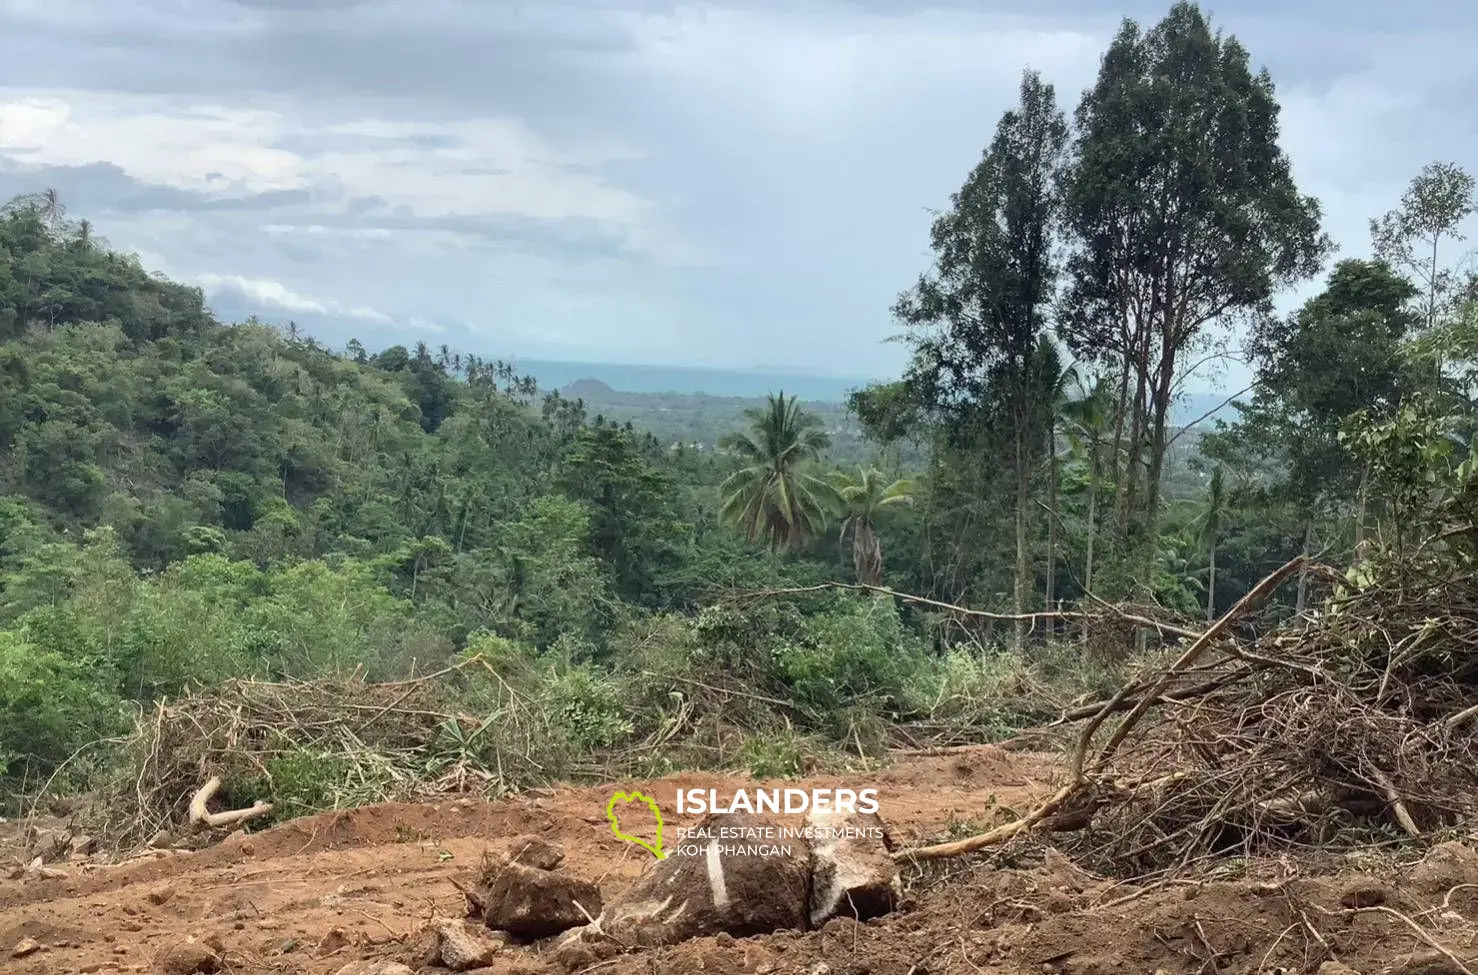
(1185, 217)
(977, 318)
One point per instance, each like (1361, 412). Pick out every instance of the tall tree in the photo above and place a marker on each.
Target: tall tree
(775, 494)
(980, 314)
(1186, 216)
(1436, 203)
(864, 498)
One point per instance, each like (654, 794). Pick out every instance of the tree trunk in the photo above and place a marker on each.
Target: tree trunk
(867, 554)
(1303, 574)
(1052, 473)
(1361, 502)
(1023, 559)
(1211, 583)
(1093, 472)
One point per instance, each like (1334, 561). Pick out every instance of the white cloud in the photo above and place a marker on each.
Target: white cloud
(491, 167)
(277, 295)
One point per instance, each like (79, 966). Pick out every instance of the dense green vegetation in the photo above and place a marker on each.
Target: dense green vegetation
(183, 501)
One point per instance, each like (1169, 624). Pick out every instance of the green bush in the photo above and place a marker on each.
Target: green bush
(49, 707)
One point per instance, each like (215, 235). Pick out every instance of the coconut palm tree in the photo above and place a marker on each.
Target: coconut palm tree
(775, 494)
(863, 499)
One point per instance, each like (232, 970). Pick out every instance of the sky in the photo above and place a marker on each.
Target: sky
(736, 185)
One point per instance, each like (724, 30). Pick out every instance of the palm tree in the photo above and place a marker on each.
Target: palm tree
(863, 498)
(774, 494)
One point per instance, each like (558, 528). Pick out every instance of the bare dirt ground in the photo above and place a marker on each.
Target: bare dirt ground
(314, 894)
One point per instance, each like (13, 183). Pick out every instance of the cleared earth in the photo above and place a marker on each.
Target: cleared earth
(315, 894)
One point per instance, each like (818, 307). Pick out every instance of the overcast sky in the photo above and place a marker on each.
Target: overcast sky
(720, 184)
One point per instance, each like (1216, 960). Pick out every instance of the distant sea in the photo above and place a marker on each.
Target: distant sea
(748, 383)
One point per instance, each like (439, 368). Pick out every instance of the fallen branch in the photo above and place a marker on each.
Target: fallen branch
(1066, 614)
(1192, 653)
(1080, 782)
(199, 814)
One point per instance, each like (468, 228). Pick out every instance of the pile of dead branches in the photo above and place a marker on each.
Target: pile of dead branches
(1354, 725)
(219, 756)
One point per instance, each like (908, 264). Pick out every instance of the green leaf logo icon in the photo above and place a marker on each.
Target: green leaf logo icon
(654, 848)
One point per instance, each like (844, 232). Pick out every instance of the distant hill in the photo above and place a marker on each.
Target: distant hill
(588, 389)
(743, 383)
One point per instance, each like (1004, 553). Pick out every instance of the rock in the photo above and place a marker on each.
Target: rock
(534, 903)
(1445, 866)
(534, 851)
(160, 895)
(461, 946)
(725, 886)
(374, 968)
(331, 942)
(24, 947)
(1427, 963)
(1336, 968)
(47, 844)
(1364, 892)
(852, 874)
(82, 845)
(584, 947)
(189, 958)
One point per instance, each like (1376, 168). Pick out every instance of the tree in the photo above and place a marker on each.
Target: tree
(979, 316)
(1436, 203)
(775, 495)
(1339, 353)
(1212, 519)
(1087, 415)
(1054, 383)
(863, 499)
(1185, 216)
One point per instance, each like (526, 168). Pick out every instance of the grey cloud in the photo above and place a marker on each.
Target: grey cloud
(105, 187)
(813, 224)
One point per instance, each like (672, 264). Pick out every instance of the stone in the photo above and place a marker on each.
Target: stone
(1336, 968)
(1364, 892)
(374, 968)
(533, 903)
(534, 851)
(1445, 866)
(24, 947)
(335, 939)
(852, 874)
(584, 947)
(189, 958)
(461, 947)
(741, 886)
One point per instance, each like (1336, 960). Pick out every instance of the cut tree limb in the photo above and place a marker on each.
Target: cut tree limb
(200, 815)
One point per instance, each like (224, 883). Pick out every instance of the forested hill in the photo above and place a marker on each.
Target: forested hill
(126, 404)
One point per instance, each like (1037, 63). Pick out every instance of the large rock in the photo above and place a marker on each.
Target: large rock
(533, 903)
(852, 874)
(741, 877)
